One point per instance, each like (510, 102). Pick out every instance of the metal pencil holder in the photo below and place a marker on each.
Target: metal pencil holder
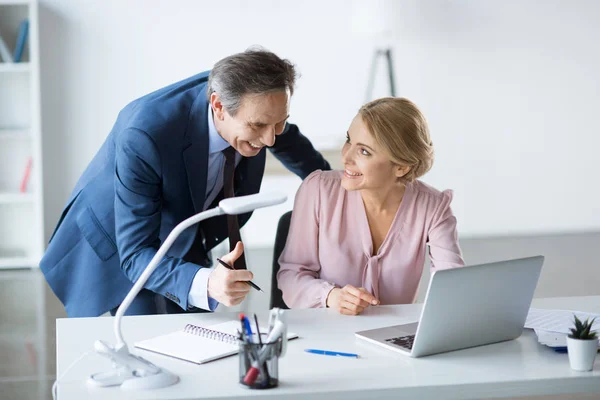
(268, 370)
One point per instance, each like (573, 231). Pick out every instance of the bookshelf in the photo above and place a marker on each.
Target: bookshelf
(22, 286)
(21, 213)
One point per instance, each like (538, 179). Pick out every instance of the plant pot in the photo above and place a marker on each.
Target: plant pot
(582, 353)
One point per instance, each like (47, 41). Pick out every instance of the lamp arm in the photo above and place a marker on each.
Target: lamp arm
(141, 281)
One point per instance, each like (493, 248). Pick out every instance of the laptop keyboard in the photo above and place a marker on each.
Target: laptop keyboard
(403, 341)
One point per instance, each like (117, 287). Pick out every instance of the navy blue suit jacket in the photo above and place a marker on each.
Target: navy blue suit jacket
(150, 175)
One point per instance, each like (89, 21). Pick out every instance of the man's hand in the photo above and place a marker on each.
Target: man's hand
(228, 286)
(350, 300)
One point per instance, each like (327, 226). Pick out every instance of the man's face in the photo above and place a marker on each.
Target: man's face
(259, 119)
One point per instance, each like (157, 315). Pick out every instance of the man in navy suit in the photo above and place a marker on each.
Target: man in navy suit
(162, 163)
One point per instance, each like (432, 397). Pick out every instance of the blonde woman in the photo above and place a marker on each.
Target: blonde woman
(358, 237)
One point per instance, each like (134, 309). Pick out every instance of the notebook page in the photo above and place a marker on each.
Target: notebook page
(188, 347)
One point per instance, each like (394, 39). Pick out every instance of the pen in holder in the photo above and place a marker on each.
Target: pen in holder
(259, 363)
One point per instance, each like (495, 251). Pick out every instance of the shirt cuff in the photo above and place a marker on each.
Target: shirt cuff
(327, 288)
(198, 296)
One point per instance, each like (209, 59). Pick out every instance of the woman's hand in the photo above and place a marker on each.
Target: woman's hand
(350, 300)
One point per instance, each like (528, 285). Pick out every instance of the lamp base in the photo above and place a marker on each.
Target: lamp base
(129, 371)
(128, 381)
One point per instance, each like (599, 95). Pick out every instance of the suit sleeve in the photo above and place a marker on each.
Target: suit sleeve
(297, 153)
(138, 201)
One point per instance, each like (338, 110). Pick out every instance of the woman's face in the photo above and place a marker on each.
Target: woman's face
(366, 164)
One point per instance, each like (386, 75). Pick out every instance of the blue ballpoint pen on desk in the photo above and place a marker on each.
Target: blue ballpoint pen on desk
(331, 353)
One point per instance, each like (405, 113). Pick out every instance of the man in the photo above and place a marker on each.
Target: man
(165, 160)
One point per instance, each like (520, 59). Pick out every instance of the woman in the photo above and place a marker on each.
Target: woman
(358, 237)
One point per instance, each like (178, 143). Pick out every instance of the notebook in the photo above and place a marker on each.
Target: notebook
(198, 344)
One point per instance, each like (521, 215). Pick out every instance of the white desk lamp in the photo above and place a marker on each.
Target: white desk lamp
(131, 371)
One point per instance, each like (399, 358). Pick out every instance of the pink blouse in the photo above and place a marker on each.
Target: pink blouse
(329, 243)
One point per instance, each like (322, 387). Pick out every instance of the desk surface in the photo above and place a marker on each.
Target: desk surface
(517, 367)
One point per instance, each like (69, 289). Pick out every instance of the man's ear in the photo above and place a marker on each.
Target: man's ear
(402, 170)
(217, 106)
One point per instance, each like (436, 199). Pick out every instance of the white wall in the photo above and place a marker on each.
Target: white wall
(510, 89)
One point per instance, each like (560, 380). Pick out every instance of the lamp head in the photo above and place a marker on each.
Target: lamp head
(244, 204)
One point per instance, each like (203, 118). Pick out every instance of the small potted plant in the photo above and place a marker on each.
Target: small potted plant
(582, 345)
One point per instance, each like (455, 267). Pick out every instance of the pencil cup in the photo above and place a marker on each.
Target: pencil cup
(259, 364)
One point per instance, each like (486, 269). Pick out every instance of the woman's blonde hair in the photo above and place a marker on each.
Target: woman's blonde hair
(400, 127)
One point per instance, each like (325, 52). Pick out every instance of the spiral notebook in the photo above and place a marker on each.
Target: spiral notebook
(198, 344)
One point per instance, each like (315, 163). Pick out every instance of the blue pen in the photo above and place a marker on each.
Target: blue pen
(331, 353)
(247, 327)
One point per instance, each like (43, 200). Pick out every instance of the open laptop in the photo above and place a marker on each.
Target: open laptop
(466, 307)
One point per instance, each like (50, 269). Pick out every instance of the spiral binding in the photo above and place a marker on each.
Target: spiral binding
(210, 334)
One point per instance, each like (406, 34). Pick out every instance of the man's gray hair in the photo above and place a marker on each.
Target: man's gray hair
(255, 71)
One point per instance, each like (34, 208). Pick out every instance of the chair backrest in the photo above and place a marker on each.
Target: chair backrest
(280, 238)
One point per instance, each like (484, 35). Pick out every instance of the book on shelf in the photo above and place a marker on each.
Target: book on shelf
(26, 174)
(4, 52)
(21, 40)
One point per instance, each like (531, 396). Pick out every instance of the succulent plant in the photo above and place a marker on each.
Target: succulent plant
(582, 330)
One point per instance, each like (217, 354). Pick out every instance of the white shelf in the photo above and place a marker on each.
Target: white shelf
(18, 133)
(18, 262)
(16, 198)
(16, 275)
(18, 337)
(14, 67)
(14, 2)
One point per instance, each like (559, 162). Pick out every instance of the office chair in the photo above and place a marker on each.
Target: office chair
(280, 238)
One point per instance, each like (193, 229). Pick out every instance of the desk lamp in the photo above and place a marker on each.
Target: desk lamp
(132, 372)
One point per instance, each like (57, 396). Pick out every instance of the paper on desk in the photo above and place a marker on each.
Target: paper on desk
(560, 321)
(551, 339)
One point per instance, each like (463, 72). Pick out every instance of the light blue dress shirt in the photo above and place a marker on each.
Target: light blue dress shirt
(198, 296)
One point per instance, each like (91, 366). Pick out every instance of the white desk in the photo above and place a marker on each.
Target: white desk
(518, 367)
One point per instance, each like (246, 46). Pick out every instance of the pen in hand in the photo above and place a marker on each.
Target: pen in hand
(223, 263)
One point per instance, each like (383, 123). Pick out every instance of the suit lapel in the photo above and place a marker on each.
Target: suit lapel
(195, 155)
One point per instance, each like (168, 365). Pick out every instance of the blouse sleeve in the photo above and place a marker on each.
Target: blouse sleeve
(444, 250)
(298, 276)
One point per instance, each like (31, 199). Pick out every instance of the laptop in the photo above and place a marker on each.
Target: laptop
(466, 307)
